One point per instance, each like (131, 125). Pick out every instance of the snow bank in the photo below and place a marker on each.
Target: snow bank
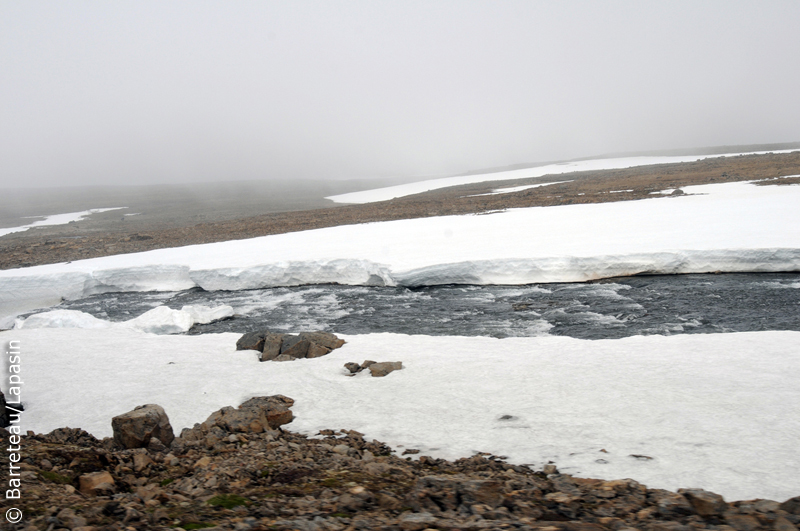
(402, 190)
(716, 411)
(733, 227)
(57, 219)
(159, 320)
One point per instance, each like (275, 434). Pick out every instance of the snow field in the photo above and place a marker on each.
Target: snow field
(57, 219)
(720, 411)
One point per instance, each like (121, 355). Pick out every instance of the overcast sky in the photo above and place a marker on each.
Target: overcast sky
(174, 91)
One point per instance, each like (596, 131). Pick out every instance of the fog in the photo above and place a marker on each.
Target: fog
(144, 92)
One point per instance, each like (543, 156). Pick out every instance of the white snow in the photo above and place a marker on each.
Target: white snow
(734, 227)
(718, 411)
(159, 320)
(57, 219)
(402, 190)
(519, 188)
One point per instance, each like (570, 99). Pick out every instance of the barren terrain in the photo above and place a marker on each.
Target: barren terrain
(183, 220)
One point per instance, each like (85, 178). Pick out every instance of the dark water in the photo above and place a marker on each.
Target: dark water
(679, 304)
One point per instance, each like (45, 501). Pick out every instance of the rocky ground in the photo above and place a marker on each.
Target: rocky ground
(113, 235)
(231, 473)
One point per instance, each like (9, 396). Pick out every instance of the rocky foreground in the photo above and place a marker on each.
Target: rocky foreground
(240, 470)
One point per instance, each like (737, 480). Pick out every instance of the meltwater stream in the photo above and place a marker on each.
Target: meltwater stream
(677, 304)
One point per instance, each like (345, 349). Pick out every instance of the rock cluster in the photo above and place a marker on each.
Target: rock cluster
(376, 368)
(275, 346)
(228, 473)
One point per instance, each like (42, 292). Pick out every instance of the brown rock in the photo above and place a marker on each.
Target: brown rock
(135, 428)
(705, 503)
(317, 351)
(742, 522)
(91, 484)
(324, 339)
(791, 506)
(385, 367)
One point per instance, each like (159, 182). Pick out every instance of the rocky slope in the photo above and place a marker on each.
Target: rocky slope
(232, 473)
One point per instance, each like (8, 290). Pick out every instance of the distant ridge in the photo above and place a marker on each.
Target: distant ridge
(712, 150)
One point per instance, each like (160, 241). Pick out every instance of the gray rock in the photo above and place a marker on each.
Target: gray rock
(272, 346)
(295, 347)
(385, 367)
(670, 504)
(352, 367)
(323, 339)
(251, 341)
(134, 429)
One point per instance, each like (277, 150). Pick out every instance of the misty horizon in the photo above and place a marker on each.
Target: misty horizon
(166, 93)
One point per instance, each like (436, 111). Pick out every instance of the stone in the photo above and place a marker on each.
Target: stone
(272, 346)
(323, 339)
(705, 503)
(385, 367)
(275, 408)
(317, 351)
(96, 483)
(352, 367)
(791, 506)
(742, 522)
(294, 346)
(782, 524)
(251, 341)
(134, 429)
(670, 504)
(416, 521)
(140, 462)
(155, 445)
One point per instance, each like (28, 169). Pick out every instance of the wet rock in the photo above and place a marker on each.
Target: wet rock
(134, 429)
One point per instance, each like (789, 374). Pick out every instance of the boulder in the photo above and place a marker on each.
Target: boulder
(316, 351)
(134, 429)
(275, 408)
(286, 347)
(385, 367)
(294, 346)
(271, 346)
(251, 341)
(256, 415)
(323, 339)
